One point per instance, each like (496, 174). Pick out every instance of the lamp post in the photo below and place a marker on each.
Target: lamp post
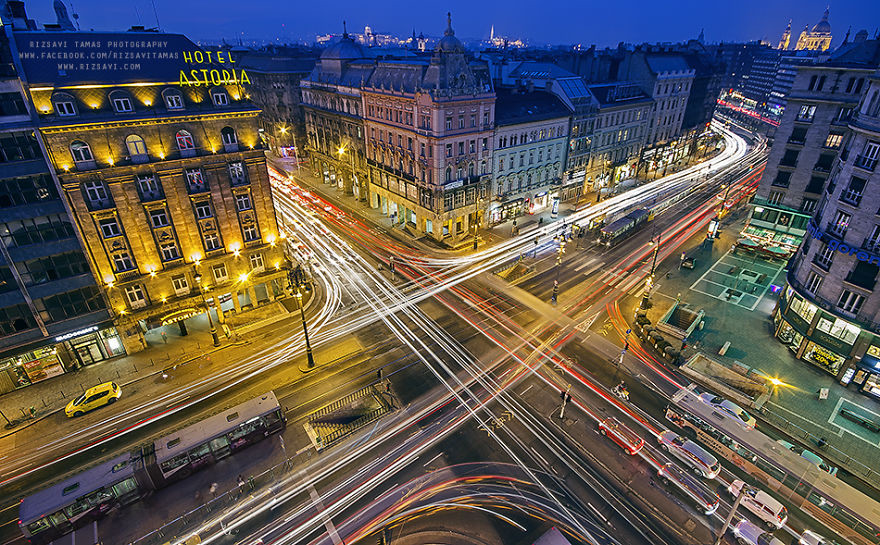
(477, 213)
(649, 284)
(558, 263)
(341, 151)
(198, 279)
(297, 283)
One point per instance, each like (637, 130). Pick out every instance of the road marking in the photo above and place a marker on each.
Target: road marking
(586, 264)
(328, 523)
(432, 459)
(831, 431)
(526, 390)
(539, 456)
(836, 412)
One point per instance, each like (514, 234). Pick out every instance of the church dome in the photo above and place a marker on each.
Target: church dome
(345, 49)
(823, 26)
(449, 42)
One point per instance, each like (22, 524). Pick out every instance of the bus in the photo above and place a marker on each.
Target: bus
(88, 495)
(626, 226)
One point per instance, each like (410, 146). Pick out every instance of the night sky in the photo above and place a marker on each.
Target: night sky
(604, 22)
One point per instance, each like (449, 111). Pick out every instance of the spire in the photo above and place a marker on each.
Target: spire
(449, 31)
(846, 38)
(344, 30)
(702, 37)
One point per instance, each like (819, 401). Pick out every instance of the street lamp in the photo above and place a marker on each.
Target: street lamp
(477, 213)
(298, 283)
(558, 263)
(198, 279)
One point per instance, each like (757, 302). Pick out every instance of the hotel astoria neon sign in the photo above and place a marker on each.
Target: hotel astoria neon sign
(197, 77)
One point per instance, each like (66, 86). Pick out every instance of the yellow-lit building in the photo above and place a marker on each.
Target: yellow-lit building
(817, 38)
(163, 172)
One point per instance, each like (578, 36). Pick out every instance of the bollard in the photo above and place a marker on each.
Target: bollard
(117, 374)
(135, 366)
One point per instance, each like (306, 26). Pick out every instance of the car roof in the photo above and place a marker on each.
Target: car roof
(767, 499)
(100, 388)
(812, 456)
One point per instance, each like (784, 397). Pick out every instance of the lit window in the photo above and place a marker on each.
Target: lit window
(136, 146)
(180, 284)
(257, 263)
(195, 180)
(237, 173)
(65, 108)
(174, 101)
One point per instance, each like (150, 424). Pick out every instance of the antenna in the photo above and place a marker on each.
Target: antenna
(75, 16)
(137, 13)
(156, 15)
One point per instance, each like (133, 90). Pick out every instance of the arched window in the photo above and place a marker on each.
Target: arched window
(137, 148)
(185, 143)
(448, 174)
(460, 173)
(121, 102)
(471, 169)
(230, 141)
(81, 152)
(64, 104)
(173, 99)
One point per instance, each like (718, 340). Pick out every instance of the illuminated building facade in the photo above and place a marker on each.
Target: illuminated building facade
(53, 317)
(429, 126)
(167, 182)
(331, 100)
(828, 313)
(817, 38)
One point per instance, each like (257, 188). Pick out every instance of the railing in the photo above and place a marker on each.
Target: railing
(798, 141)
(818, 167)
(866, 163)
(835, 230)
(851, 196)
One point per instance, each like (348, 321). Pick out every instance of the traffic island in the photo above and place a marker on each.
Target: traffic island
(737, 382)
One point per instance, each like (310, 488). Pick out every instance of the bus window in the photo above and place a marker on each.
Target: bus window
(125, 487)
(39, 526)
(220, 447)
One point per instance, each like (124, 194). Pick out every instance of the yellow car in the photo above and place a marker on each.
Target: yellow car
(96, 396)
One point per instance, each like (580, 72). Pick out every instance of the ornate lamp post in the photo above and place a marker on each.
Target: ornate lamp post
(297, 285)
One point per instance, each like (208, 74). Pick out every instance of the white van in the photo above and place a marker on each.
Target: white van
(761, 504)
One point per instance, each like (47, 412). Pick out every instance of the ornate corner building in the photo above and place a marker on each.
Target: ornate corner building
(167, 182)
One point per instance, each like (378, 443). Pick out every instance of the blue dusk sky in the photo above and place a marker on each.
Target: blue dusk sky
(603, 22)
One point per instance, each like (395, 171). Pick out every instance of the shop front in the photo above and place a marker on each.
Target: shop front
(63, 353)
(866, 375)
(814, 336)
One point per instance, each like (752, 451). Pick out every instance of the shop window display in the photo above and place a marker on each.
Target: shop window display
(872, 385)
(790, 337)
(803, 308)
(840, 329)
(31, 367)
(824, 358)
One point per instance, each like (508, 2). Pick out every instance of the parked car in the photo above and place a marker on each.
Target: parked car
(93, 398)
(761, 504)
(706, 499)
(729, 407)
(693, 455)
(750, 534)
(809, 456)
(812, 538)
(620, 434)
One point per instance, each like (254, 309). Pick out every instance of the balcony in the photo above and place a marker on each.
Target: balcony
(866, 122)
(852, 197)
(822, 167)
(797, 141)
(866, 163)
(836, 230)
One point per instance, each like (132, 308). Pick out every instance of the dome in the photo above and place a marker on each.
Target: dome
(449, 42)
(345, 49)
(823, 26)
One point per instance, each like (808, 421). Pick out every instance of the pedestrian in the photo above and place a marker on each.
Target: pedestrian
(164, 337)
(241, 483)
(213, 490)
(821, 442)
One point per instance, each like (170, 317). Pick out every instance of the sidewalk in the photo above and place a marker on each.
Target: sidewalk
(747, 324)
(51, 395)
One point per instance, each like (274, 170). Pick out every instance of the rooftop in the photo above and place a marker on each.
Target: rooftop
(513, 107)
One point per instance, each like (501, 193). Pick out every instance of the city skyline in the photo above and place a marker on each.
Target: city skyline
(598, 24)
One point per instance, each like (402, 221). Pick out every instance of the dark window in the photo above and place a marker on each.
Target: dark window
(18, 146)
(12, 104)
(69, 304)
(798, 135)
(790, 158)
(815, 185)
(36, 230)
(864, 275)
(16, 318)
(27, 189)
(782, 179)
(47, 269)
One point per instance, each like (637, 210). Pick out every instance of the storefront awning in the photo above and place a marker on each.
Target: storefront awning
(179, 315)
